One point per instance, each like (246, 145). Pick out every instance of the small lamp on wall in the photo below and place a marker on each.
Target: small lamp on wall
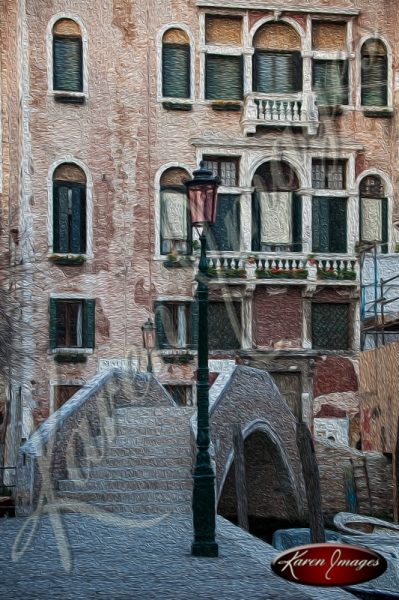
(149, 330)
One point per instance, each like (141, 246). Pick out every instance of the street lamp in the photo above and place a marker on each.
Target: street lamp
(202, 195)
(148, 330)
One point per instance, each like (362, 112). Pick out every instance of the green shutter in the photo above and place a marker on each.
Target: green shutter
(194, 324)
(255, 247)
(277, 72)
(162, 341)
(330, 326)
(61, 219)
(224, 77)
(224, 325)
(53, 323)
(89, 310)
(374, 80)
(297, 223)
(176, 70)
(78, 221)
(337, 225)
(320, 225)
(225, 233)
(67, 61)
(384, 246)
(330, 82)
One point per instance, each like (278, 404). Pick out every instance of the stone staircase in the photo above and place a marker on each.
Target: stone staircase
(142, 463)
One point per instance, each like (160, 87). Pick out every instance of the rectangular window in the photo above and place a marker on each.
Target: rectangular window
(277, 72)
(175, 324)
(328, 174)
(67, 58)
(270, 233)
(330, 82)
(225, 167)
(181, 394)
(224, 77)
(72, 323)
(223, 30)
(69, 218)
(224, 235)
(224, 325)
(329, 224)
(176, 70)
(330, 326)
(62, 393)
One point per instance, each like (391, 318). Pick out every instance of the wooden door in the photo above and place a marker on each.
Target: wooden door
(289, 385)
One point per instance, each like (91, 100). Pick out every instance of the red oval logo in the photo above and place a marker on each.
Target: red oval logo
(329, 564)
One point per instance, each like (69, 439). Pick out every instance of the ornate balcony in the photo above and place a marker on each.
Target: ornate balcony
(280, 110)
(284, 267)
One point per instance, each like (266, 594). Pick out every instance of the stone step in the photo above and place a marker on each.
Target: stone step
(127, 441)
(146, 430)
(141, 497)
(150, 472)
(150, 508)
(113, 450)
(131, 484)
(128, 460)
(156, 411)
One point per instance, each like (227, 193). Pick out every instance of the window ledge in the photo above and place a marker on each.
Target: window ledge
(172, 352)
(173, 105)
(67, 259)
(71, 351)
(69, 97)
(62, 357)
(378, 112)
(226, 105)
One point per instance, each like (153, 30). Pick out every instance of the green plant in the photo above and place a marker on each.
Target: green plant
(396, 247)
(5, 491)
(226, 273)
(196, 245)
(172, 257)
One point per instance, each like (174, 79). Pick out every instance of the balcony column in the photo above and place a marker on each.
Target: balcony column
(247, 72)
(246, 226)
(307, 224)
(353, 223)
(307, 74)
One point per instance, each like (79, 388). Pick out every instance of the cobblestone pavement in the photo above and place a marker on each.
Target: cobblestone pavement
(118, 559)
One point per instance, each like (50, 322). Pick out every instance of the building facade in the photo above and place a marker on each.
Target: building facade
(292, 105)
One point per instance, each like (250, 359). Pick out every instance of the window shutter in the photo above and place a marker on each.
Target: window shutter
(337, 220)
(277, 72)
(384, 246)
(89, 310)
(61, 220)
(320, 225)
(162, 341)
(194, 324)
(224, 325)
(330, 82)
(224, 77)
(374, 80)
(78, 221)
(225, 233)
(67, 64)
(53, 323)
(255, 223)
(330, 326)
(297, 223)
(176, 71)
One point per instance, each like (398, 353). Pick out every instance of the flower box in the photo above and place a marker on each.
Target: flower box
(68, 259)
(281, 273)
(227, 273)
(70, 358)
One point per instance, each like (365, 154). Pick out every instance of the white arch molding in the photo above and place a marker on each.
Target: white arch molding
(157, 211)
(392, 233)
(89, 202)
(271, 19)
(159, 38)
(295, 164)
(49, 43)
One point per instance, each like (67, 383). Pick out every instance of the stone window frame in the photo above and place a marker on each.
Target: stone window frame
(348, 55)
(89, 205)
(390, 77)
(393, 233)
(159, 44)
(71, 296)
(244, 50)
(84, 37)
(53, 383)
(157, 208)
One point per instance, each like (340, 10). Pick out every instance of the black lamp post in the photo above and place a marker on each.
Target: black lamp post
(202, 195)
(148, 330)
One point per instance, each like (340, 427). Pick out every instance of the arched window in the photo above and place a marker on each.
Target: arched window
(374, 73)
(69, 209)
(67, 56)
(175, 215)
(373, 212)
(175, 64)
(277, 66)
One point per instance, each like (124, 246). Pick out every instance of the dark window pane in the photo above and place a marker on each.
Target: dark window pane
(69, 324)
(62, 393)
(329, 225)
(224, 325)
(224, 235)
(330, 326)
(278, 73)
(224, 77)
(181, 394)
(69, 214)
(225, 168)
(176, 71)
(328, 174)
(173, 324)
(330, 82)
(67, 57)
